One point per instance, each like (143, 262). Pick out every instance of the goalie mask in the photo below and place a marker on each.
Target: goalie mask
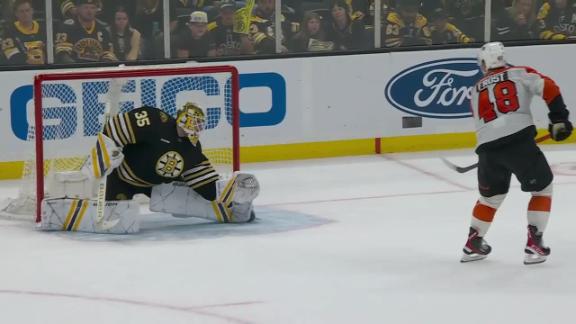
(192, 120)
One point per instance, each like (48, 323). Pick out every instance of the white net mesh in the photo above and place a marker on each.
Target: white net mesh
(73, 115)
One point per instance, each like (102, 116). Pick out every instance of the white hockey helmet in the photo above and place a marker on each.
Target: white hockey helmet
(491, 56)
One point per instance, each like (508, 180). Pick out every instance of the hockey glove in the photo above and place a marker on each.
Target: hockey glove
(560, 131)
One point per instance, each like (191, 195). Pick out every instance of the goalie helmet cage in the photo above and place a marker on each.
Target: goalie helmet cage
(204, 79)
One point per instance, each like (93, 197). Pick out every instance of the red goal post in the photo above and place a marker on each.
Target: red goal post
(214, 88)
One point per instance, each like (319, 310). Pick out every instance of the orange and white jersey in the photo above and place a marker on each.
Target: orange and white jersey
(501, 101)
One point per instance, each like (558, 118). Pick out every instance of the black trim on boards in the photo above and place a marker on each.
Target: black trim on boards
(273, 56)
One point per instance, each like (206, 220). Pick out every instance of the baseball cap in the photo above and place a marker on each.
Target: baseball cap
(199, 17)
(227, 4)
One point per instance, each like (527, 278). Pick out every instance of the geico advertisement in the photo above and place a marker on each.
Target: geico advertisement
(73, 110)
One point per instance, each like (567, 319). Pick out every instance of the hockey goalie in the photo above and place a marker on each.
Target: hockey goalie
(146, 151)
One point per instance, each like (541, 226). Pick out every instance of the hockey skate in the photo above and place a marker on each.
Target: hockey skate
(535, 250)
(476, 248)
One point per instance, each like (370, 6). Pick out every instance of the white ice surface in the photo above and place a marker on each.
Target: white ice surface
(373, 239)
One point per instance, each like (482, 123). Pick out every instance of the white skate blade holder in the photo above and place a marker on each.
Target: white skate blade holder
(534, 258)
(472, 257)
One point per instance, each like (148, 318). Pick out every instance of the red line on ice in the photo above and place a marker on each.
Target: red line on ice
(190, 309)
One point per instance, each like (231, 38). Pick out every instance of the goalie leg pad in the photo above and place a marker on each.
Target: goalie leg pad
(79, 215)
(71, 184)
(181, 201)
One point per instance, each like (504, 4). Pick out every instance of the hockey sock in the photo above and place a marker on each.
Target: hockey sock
(539, 208)
(483, 213)
(482, 217)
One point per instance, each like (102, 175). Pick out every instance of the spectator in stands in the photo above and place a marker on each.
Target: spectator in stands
(196, 41)
(444, 32)
(24, 41)
(557, 20)
(180, 11)
(226, 42)
(83, 39)
(358, 8)
(385, 9)
(406, 27)
(105, 13)
(517, 22)
(347, 34)
(311, 37)
(429, 6)
(148, 20)
(468, 16)
(69, 10)
(125, 39)
(262, 23)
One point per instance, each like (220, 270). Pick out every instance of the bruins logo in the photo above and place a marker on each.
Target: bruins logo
(170, 165)
(88, 49)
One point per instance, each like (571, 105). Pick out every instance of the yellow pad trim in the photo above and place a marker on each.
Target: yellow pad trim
(79, 218)
(104, 150)
(95, 165)
(70, 214)
(217, 212)
(228, 187)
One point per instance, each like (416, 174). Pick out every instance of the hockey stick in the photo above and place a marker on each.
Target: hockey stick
(464, 169)
(101, 224)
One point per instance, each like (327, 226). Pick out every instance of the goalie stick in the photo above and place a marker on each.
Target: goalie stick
(464, 169)
(102, 224)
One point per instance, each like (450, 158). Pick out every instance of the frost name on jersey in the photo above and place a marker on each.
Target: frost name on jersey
(492, 79)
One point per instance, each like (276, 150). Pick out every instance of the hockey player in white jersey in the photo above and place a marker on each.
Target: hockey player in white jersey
(505, 145)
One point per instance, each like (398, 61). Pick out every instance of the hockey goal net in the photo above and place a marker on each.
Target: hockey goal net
(69, 113)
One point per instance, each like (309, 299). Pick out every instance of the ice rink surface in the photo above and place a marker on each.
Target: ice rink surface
(374, 239)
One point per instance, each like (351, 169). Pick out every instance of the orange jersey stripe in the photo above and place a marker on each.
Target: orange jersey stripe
(483, 212)
(540, 203)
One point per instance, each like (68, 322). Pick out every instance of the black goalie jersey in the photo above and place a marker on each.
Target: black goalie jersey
(154, 154)
(74, 43)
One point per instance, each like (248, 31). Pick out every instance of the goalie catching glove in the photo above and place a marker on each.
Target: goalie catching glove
(103, 158)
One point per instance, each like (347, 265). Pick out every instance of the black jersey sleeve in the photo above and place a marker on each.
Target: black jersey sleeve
(200, 175)
(11, 50)
(136, 126)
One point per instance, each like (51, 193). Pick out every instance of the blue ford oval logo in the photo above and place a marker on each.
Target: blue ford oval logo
(437, 89)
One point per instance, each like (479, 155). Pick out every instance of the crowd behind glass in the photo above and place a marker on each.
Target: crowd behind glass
(130, 30)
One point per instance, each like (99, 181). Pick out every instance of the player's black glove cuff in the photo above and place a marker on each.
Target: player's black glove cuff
(560, 131)
(558, 112)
